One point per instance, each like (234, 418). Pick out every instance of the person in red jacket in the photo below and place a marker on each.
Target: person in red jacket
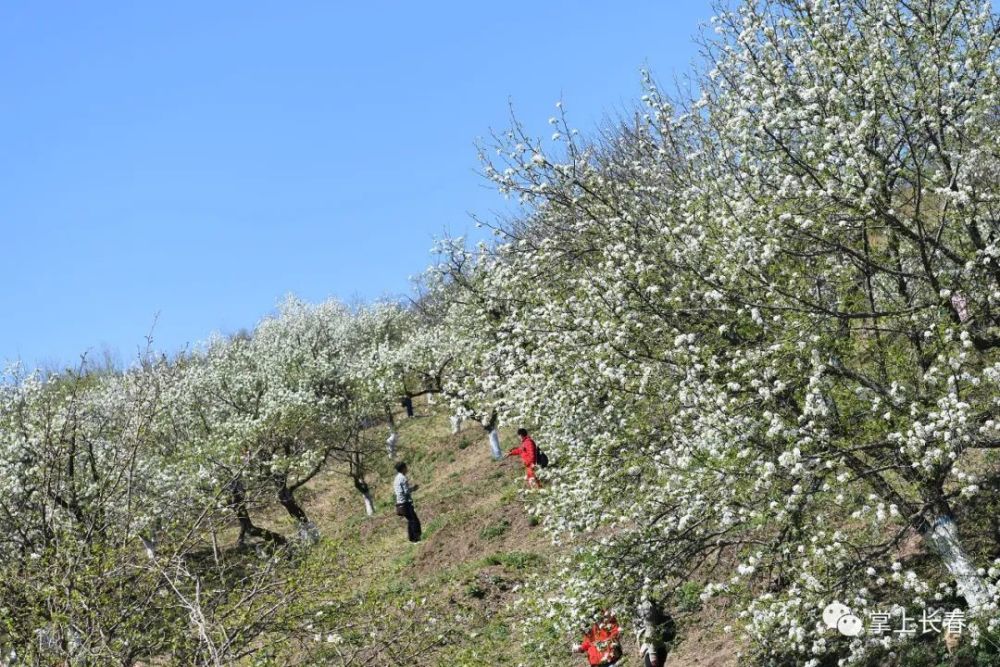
(528, 451)
(602, 643)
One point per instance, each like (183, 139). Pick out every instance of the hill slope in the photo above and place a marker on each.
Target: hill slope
(451, 599)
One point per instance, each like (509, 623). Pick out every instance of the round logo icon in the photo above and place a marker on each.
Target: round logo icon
(833, 612)
(849, 625)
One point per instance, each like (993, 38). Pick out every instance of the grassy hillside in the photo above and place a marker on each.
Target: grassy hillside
(451, 599)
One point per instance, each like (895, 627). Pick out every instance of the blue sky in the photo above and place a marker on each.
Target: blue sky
(200, 160)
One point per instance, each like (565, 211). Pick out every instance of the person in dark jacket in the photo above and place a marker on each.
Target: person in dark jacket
(655, 633)
(404, 502)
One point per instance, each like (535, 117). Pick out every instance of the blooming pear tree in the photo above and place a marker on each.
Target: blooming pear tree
(104, 556)
(764, 345)
(757, 327)
(276, 407)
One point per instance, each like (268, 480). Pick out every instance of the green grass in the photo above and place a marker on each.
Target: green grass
(515, 560)
(495, 530)
(434, 525)
(468, 564)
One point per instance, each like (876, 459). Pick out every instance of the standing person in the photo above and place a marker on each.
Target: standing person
(655, 633)
(408, 404)
(404, 502)
(528, 451)
(601, 643)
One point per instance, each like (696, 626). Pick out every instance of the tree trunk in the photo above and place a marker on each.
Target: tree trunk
(494, 438)
(941, 535)
(365, 491)
(390, 444)
(287, 499)
(456, 424)
(247, 526)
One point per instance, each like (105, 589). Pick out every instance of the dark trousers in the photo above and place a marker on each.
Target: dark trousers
(657, 660)
(413, 529)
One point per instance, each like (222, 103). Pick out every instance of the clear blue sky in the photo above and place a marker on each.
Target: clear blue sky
(201, 159)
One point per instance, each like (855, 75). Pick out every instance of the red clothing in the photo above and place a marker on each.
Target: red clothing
(601, 643)
(528, 451)
(529, 476)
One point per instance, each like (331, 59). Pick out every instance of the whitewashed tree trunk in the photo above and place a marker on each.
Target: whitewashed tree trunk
(942, 538)
(390, 444)
(961, 305)
(369, 503)
(430, 399)
(494, 438)
(456, 424)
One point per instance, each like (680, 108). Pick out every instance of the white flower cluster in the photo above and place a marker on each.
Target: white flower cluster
(758, 330)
